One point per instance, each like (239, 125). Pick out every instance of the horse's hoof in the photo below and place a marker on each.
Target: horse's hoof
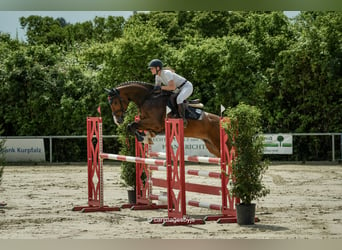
(131, 127)
(140, 138)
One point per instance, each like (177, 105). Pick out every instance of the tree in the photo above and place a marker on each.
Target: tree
(127, 57)
(108, 29)
(47, 30)
(200, 61)
(43, 30)
(241, 78)
(290, 69)
(310, 75)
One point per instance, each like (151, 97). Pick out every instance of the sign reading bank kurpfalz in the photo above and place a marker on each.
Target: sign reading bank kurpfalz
(24, 150)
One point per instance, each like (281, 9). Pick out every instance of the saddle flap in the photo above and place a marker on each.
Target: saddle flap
(196, 101)
(196, 105)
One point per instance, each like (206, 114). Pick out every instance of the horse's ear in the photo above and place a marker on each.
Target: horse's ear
(112, 91)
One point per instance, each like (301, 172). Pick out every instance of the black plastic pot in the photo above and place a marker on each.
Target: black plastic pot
(245, 214)
(131, 196)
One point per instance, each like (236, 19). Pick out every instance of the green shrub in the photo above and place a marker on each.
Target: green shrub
(244, 131)
(127, 142)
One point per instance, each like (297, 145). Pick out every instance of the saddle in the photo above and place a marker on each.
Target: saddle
(193, 108)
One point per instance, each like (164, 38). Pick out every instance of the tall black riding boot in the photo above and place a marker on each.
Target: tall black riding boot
(181, 112)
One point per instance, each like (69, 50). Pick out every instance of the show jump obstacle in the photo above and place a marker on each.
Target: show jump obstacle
(175, 181)
(95, 168)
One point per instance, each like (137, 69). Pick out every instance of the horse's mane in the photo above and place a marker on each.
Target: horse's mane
(144, 84)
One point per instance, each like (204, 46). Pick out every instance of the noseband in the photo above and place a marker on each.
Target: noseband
(116, 93)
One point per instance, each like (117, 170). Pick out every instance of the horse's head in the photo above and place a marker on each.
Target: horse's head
(118, 105)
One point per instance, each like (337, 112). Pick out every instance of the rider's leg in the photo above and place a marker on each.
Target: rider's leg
(181, 112)
(185, 92)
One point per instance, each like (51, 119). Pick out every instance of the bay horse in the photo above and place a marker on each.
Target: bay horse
(152, 114)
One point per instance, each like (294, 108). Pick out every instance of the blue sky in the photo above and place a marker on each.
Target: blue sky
(9, 20)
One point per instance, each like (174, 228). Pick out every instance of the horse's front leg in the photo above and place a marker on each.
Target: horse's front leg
(150, 126)
(133, 129)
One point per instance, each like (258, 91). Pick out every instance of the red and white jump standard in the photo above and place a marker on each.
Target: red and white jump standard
(95, 168)
(175, 182)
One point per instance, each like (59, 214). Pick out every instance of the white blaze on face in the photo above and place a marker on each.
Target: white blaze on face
(115, 120)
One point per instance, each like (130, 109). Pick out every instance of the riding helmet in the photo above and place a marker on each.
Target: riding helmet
(155, 63)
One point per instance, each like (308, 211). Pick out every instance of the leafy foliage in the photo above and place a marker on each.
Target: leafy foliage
(127, 142)
(245, 134)
(47, 30)
(290, 69)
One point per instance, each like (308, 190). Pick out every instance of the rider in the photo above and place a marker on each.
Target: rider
(173, 82)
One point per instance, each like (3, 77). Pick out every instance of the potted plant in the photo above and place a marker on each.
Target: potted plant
(127, 142)
(128, 177)
(248, 167)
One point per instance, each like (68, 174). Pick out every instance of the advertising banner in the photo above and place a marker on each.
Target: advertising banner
(24, 150)
(278, 144)
(273, 144)
(192, 146)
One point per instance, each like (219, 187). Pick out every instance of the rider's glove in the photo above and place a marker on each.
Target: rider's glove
(157, 88)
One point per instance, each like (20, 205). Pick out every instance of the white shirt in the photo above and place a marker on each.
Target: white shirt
(168, 75)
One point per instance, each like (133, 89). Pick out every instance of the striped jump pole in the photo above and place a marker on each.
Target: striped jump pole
(175, 172)
(144, 186)
(133, 159)
(176, 185)
(199, 159)
(202, 173)
(176, 202)
(176, 179)
(191, 202)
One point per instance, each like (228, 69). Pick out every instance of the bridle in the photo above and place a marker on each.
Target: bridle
(116, 93)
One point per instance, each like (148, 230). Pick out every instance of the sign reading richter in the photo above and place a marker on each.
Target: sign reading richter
(16, 150)
(273, 144)
(192, 146)
(278, 144)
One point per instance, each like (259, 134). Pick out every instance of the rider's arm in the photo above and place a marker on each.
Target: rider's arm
(171, 86)
(157, 81)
